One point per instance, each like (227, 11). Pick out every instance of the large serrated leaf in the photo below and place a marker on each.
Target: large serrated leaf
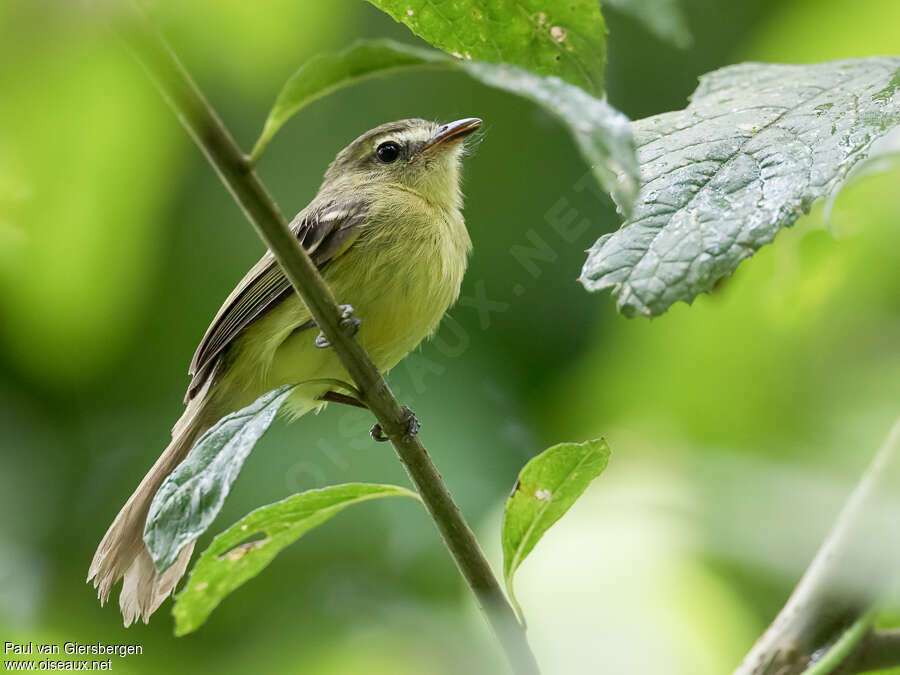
(191, 496)
(758, 144)
(548, 486)
(601, 133)
(562, 38)
(243, 550)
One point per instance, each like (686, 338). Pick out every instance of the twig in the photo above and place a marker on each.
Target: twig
(234, 169)
(855, 567)
(878, 650)
(834, 658)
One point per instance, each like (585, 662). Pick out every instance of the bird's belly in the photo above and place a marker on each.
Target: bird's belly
(399, 303)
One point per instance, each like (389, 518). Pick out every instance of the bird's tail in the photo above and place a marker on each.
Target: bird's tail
(122, 551)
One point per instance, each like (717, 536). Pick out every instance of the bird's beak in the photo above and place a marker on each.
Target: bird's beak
(452, 131)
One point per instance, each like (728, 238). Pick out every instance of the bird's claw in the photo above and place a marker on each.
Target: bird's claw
(410, 420)
(377, 434)
(347, 321)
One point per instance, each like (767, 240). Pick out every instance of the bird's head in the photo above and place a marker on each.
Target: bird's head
(416, 154)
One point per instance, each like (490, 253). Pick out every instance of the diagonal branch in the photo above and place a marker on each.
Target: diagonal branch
(878, 650)
(854, 569)
(234, 169)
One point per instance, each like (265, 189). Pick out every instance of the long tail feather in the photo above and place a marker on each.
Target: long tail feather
(122, 553)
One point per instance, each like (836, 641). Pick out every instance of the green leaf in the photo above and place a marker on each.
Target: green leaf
(548, 486)
(326, 73)
(192, 495)
(601, 133)
(663, 18)
(758, 144)
(244, 549)
(566, 38)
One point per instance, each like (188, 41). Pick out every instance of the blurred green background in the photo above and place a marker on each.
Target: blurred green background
(738, 425)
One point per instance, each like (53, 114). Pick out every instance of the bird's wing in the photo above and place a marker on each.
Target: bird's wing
(325, 233)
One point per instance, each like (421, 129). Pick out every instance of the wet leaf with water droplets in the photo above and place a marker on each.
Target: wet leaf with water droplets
(191, 496)
(758, 144)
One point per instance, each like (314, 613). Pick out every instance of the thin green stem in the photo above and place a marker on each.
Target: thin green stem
(841, 649)
(233, 167)
(878, 651)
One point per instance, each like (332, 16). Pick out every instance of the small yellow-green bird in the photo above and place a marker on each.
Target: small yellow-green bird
(387, 232)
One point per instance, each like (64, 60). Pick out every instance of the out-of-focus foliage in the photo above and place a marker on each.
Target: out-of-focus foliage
(77, 259)
(548, 486)
(663, 18)
(566, 39)
(247, 46)
(756, 147)
(739, 424)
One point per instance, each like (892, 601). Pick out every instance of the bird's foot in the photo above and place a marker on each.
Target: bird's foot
(409, 419)
(347, 321)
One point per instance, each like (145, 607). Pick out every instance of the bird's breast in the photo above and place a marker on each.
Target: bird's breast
(401, 282)
(400, 279)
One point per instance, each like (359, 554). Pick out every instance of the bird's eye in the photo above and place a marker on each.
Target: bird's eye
(387, 152)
